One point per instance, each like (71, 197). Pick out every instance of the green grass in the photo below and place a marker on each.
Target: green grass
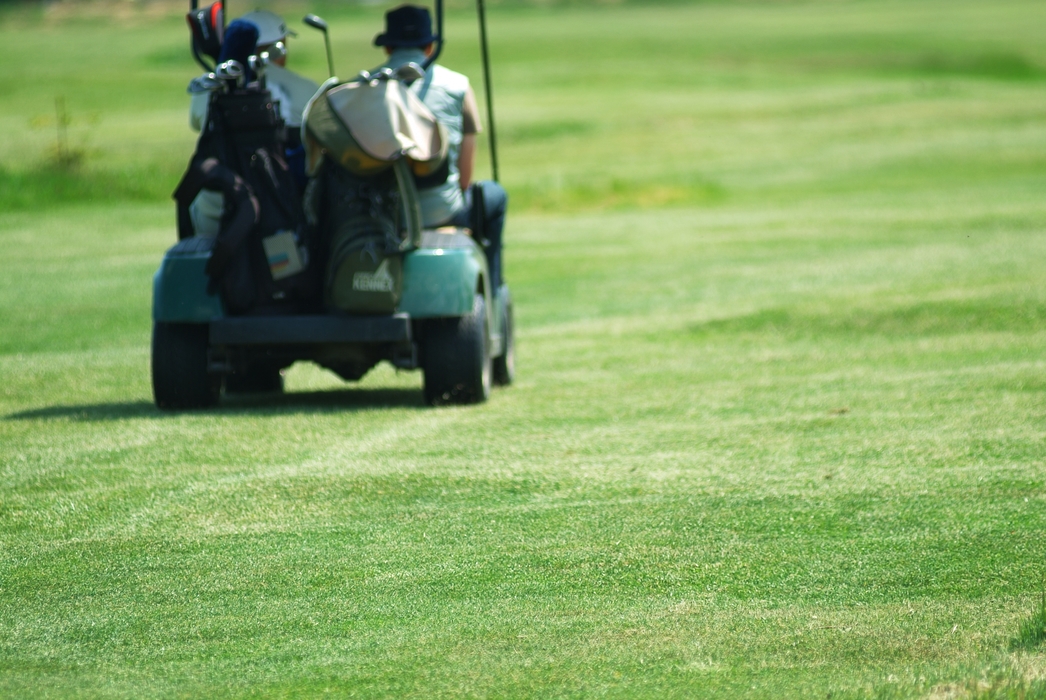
(780, 420)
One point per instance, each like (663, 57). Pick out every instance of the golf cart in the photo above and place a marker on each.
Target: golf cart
(436, 310)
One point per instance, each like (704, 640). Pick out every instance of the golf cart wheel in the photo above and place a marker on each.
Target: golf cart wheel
(179, 358)
(458, 368)
(256, 380)
(505, 365)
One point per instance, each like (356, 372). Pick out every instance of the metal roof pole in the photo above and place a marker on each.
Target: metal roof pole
(488, 88)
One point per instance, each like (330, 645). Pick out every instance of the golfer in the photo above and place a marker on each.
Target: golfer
(446, 197)
(291, 91)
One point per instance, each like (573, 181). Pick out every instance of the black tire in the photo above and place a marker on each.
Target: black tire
(505, 365)
(458, 368)
(179, 359)
(259, 379)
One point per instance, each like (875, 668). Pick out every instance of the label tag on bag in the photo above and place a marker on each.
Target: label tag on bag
(281, 250)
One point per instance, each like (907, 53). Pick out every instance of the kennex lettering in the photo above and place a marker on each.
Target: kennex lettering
(378, 281)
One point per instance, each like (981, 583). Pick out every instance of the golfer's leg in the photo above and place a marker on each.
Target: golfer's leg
(495, 204)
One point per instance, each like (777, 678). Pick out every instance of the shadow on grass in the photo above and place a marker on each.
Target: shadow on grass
(332, 401)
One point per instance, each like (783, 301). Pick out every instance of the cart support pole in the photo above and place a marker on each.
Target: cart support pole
(439, 37)
(488, 89)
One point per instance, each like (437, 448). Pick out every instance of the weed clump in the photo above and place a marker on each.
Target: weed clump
(64, 157)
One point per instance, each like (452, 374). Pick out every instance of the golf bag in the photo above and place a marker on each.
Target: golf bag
(260, 258)
(365, 224)
(365, 142)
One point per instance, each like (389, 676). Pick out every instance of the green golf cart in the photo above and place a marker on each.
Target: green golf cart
(448, 321)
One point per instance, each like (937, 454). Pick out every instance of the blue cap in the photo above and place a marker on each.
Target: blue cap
(240, 41)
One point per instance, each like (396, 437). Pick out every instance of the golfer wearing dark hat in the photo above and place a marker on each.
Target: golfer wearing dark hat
(446, 198)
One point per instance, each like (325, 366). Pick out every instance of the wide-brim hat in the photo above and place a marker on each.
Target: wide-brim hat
(271, 27)
(406, 26)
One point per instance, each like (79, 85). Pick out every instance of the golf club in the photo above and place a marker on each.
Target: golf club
(318, 23)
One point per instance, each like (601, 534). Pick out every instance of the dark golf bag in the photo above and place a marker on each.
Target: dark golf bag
(260, 258)
(364, 224)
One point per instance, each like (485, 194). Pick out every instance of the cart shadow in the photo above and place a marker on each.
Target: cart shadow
(327, 401)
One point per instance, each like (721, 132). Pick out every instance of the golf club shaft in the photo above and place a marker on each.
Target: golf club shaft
(330, 57)
(488, 88)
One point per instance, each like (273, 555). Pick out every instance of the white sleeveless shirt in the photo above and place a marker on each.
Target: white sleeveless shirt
(444, 92)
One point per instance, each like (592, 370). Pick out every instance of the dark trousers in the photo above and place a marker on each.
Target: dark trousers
(495, 204)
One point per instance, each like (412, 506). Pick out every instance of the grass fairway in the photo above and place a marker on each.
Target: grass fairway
(780, 422)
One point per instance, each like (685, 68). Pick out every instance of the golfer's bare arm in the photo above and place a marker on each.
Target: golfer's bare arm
(466, 159)
(470, 127)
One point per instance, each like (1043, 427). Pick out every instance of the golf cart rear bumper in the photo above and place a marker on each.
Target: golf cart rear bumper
(310, 330)
(347, 345)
